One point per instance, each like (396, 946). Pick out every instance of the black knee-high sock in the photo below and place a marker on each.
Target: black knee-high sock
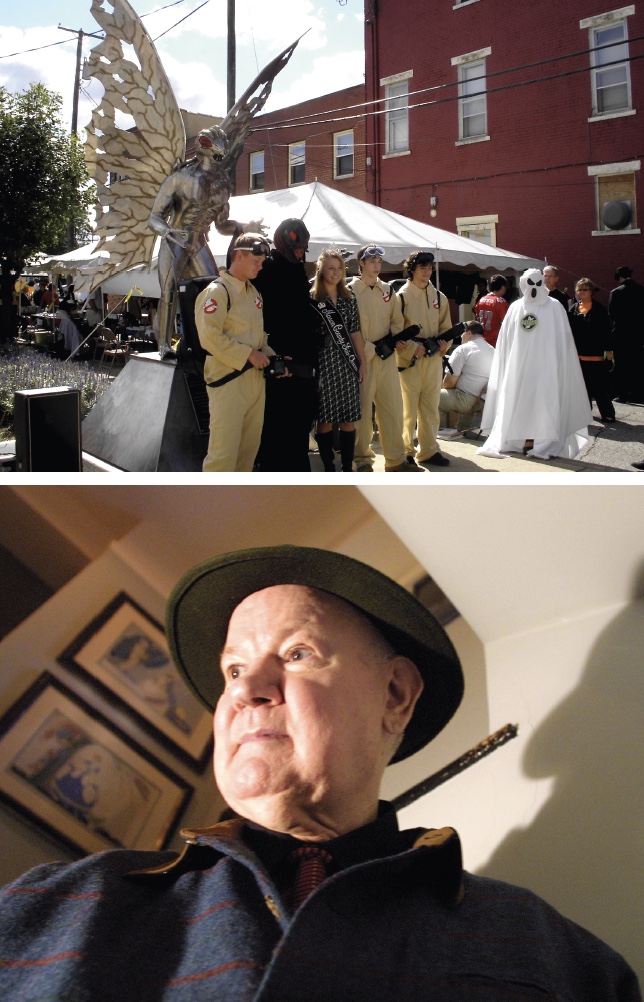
(347, 447)
(324, 440)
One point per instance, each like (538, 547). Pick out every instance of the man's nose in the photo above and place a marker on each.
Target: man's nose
(258, 683)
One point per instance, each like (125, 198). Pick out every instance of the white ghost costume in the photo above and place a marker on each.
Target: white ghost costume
(536, 389)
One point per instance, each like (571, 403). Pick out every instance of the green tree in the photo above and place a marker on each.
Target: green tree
(44, 184)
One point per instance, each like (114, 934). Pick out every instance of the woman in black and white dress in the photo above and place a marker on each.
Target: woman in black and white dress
(342, 360)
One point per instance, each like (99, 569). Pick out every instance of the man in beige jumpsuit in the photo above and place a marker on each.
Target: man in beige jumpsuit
(421, 375)
(380, 314)
(230, 324)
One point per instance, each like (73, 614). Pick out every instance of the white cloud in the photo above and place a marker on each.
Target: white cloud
(195, 86)
(275, 24)
(326, 74)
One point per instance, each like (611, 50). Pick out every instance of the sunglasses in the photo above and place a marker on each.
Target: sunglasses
(424, 258)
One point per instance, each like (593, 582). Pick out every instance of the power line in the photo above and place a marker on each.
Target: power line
(454, 83)
(512, 173)
(298, 123)
(38, 48)
(10, 55)
(180, 20)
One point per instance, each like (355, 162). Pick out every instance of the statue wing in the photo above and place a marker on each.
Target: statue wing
(140, 157)
(237, 122)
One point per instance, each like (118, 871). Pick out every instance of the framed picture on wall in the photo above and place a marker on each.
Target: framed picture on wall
(68, 769)
(125, 652)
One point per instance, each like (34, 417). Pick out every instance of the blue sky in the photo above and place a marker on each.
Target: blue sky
(193, 54)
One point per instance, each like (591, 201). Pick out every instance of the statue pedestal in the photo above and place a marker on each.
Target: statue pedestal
(152, 418)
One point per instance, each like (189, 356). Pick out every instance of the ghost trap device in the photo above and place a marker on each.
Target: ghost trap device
(432, 344)
(386, 346)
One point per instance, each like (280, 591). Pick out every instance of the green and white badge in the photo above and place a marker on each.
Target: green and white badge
(529, 321)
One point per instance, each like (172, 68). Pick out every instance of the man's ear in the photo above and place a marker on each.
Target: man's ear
(404, 688)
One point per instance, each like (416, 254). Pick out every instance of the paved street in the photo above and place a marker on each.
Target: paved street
(612, 448)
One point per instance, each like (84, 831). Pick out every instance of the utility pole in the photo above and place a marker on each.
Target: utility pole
(231, 70)
(232, 56)
(71, 239)
(79, 52)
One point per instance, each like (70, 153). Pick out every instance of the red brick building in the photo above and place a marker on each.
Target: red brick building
(515, 125)
(323, 138)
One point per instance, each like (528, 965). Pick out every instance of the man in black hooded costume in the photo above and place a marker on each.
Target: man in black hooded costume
(291, 325)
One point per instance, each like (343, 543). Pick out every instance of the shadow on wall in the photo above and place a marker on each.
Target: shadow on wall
(583, 852)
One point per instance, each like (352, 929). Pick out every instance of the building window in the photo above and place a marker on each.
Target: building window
(610, 76)
(610, 73)
(481, 228)
(257, 171)
(343, 153)
(397, 113)
(616, 208)
(397, 117)
(296, 163)
(472, 101)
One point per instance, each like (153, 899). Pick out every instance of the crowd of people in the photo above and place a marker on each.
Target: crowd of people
(341, 358)
(76, 321)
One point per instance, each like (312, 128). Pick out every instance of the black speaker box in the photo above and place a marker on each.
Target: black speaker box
(47, 428)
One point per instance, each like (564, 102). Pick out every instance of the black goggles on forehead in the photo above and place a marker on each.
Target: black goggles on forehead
(424, 258)
(258, 247)
(373, 250)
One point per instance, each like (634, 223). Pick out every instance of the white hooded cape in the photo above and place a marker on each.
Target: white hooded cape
(536, 389)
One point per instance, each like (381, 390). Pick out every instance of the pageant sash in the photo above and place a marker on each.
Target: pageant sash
(335, 326)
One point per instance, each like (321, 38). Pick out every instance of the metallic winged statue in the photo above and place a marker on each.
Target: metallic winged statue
(146, 188)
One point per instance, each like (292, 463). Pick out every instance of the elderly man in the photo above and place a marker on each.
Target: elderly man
(322, 670)
(551, 282)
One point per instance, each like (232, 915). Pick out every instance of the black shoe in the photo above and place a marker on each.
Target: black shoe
(638, 466)
(607, 420)
(438, 459)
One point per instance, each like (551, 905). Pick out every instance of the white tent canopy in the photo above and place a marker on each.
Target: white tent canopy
(73, 263)
(335, 219)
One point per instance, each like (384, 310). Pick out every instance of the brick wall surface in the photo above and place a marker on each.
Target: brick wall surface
(532, 171)
(315, 122)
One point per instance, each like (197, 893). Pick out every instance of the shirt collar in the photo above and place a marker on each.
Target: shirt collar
(375, 840)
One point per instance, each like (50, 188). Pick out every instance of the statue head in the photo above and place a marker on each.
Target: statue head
(212, 143)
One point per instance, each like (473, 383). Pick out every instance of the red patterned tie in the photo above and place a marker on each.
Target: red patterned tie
(311, 871)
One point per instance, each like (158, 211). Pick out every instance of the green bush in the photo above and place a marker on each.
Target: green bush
(25, 369)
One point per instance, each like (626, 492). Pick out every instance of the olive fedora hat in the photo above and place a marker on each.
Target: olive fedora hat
(203, 601)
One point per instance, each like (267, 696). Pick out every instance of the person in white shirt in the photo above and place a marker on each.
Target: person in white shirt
(464, 386)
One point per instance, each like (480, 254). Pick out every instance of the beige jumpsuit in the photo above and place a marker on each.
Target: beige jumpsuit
(380, 314)
(421, 383)
(230, 323)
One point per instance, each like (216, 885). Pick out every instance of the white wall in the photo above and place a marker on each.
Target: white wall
(557, 809)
